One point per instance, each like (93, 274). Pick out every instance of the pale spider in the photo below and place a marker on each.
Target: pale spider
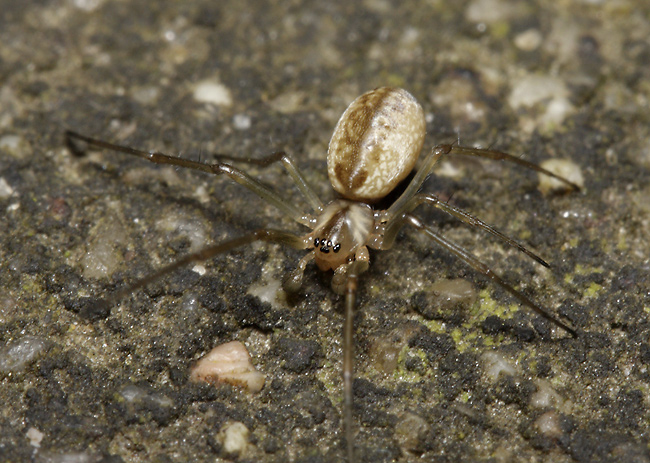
(375, 145)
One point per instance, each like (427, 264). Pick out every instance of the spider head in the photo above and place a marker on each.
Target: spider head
(341, 229)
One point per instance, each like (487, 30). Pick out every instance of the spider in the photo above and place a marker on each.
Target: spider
(375, 146)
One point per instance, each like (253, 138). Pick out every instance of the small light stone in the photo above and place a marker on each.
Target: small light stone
(534, 89)
(241, 122)
(200, 269)
(545, 99)
(454, 291)
(212, 91)
(545, 396)
(229, 363)
(17, 354)
(5, 189)
(529, 40)
(549, 424)
(410, 430)
(233, 436)
(103, 255)
(495, 364)
(35, 437)
(564, 168)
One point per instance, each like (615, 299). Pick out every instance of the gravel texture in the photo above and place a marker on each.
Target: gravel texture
(476, 379)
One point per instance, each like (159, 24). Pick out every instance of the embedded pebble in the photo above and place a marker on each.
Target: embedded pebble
(87, 5)
(11, 143)
(550, 93)
(385, 350)
(452, 292)
(35, 437)
(410, 429)
(495, 365)
(288, 103)
(146, 95)
(212, 91)
(241, 122)
(528, 40)
(533, 89)
(549, 424)
(69, 457)
(446, 299)
(144, 403)
(267, 291)
(102, 255)
(17, 354)
(545, 396)
(487, 11)
(564, 168)
(181, 224)
(229, 363)
(385, 354)
(5, 189)
(233, 437)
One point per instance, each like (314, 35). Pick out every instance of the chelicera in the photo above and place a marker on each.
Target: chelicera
(375, 146)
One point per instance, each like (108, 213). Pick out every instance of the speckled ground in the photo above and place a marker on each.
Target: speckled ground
(469, 381)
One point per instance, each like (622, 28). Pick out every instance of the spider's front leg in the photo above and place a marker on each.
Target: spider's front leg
(352, 281)
(268, 235)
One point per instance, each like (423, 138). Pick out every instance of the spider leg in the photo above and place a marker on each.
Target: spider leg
(219, 168)
(291, 168)
(438, 151)
(462, 215)
(273, 236)
(501, 156)
(351, 285)
(484, 270)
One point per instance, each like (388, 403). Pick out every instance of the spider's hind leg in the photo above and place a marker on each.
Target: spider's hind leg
(486, 271)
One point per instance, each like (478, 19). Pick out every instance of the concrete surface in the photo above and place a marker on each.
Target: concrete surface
(470, 381)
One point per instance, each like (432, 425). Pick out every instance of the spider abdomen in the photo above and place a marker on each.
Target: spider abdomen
(375, 144)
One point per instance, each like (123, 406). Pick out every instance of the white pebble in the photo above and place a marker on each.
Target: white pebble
(564, 168)
(533, 89)
(549, 424)
(5, 189)
(212, 91)
(549, 95)
(545, 396)
(496, 364)
(15, 355)
(487, 11)
(10, 142)
(103, 256)
(454, 291)
(233, 436)
(87, 5)
(241, 122)
(35, 437)
(529, 40)
(229, 363)
(70, 457)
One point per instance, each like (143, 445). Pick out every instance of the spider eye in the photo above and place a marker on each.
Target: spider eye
(316, 242)
(337, 247)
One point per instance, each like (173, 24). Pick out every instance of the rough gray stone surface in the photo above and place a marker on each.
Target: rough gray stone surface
(482, 379)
